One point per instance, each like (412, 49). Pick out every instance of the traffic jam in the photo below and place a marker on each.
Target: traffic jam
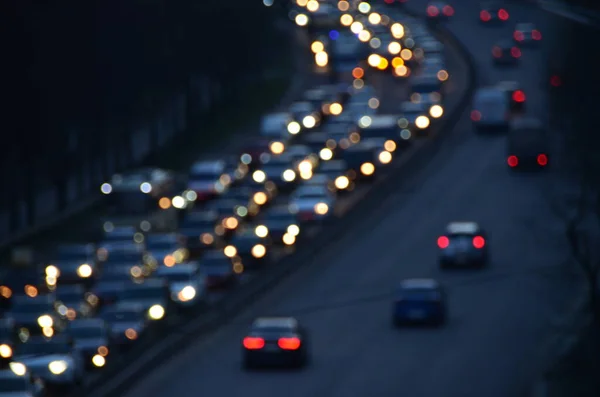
(174, 243)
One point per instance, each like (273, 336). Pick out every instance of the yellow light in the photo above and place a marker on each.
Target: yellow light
(442, 75)
(301, 20)
(259, 251)
(367, 169)
(98, 361)
(374, 18)
(343, 6)
(302, 3)
(364, 36)
(5, 351)
(18, 368)
(238, 268)
(103, 351)
(131, 334)
(397, 30)
(356, 27)
(401, 71)
(5, 292)
(346, 20)
(305, 166)
(230, 251)
(136, 271)
(383, 64)
(71, 314)
(321, 59)
(52, 271)
(354, 137)
(207, 238)
(317, 46)
(169, 261)
(84, 271)
(385, 157)
(364, 7)
(293, 230)
(390, 146)
(45, 321)
(373, 103)
(436, 111)
(374, 60)
(422, 122)
(312, 5)
(288, 175)
(406, 54)
(288, 239)
(259, 176)
(156, 312)
(309, 121)
(187, 293)
(306, 175)
(57, 367)
(342, 182)
(397, 61)
(261, 231)
(164, 203)
(277, 147)
(336, 109)
(31, 291)
(326, 154)
(394, 48)
(321, 208)
(231, 223)
(294, 128)
(260, 198)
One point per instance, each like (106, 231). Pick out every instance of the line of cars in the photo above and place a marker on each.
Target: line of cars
(173, 243)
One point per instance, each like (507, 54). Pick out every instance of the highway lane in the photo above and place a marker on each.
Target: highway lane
(499, 316)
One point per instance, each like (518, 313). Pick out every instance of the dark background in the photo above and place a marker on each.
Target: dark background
(77, 75)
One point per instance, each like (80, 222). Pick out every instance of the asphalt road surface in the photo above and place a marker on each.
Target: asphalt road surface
(499, 317)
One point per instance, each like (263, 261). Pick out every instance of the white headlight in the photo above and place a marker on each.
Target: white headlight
(58, 367)
(261, 231)
(98, 361)
(342, 182)
(45, 321)
(156, 312)
(84, 271)
(309, 121)
(288, 175)
(187, 294)
(326, 154)
(259, 176)
(321, 208)
(259, 250)
(293, 230)
(385, 157)
(18, 368)
(5, 351)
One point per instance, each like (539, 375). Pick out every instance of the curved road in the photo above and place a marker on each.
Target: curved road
(499, 316)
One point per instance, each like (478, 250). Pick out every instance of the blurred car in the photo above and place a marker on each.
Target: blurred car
(152, 294)
(127, 321)
(71, 302)
(248, 247)
(218, 270)
(54, 360)
(317, 142)
(257, 196)
(526, 34)
(312, 203)
(491, 110)
(427, 84)
(463, 245)
(415, 117)
(437, 10)
(280, 224)
(365, 157)
(385, 126)
(253, 149)
(506, 53)
(121, 234)
(324, 96)
(207, 179)
(37, 315)
(19, 382)
(186, 283)
(279, 341)
(198, 231)
(419, 301)
(279, 126)
(166, 249)
(8, 339)
(230, 212)
(279, 169)
(306, 114)
(527, 144)
(91, 337)
(339, 175)
(515, 94)
(492, 12)
(106, 293)
(16, 281)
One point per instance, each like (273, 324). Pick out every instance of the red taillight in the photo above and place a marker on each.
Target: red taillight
(519, 36)
(443, 242)
(475, 115)
(253, 343)
(512, 161)
(555, 81)
(536, 35)
(497, 52)
(519, 96)
(289, 343)
(448, 11)
(485, 16)
(389, 1)
(478, 242)
(515, 52)
(503, 14)
(433, 11)
(542, 160)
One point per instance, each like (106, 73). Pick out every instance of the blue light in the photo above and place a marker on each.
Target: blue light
(334, 34)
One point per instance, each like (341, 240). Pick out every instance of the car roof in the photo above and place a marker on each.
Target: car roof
(275, 322)
(487, 93)
(529, 123)
(419, 283)
(181, 268)
(463, 228)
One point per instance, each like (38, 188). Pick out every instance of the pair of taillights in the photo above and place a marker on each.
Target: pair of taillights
(444, 242)
(434, 11)
(486, 16)
(520, 36)
(497, 52)
(257, 343)
(513, 161)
